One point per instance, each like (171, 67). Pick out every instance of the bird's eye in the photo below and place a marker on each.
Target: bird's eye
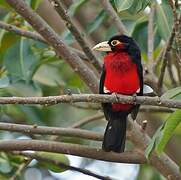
(114, 42)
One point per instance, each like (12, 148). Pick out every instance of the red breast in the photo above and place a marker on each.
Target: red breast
(121, 76)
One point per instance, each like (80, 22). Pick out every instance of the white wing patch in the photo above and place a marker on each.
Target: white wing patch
(138, 90)
(106, 90)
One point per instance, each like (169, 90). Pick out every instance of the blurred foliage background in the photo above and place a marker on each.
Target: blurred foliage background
(31, 68)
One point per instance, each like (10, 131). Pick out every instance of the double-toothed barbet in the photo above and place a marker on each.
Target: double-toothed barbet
(122, 73)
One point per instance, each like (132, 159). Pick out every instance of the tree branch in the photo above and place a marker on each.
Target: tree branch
(115, 18)
(79, 36)
(158, 59)
(60, 164)
(54, 40)
(94, 98)
(72, 149)
(44, 130)
(21, 32)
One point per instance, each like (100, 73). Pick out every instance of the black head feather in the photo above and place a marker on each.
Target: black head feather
(129, 42)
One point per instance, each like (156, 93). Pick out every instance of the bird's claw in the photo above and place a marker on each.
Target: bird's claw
(116, 95)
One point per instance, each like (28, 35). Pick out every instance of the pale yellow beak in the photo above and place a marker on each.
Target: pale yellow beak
(103, 46)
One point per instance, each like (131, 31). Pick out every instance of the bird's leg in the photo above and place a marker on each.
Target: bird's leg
(134, 98)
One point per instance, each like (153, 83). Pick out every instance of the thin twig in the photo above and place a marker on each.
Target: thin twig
(177, 25)
(151, 37)
(94, 98)
(60, 164)
(21, 168)
(87, 120)
(114, 16)
(170, 71)
(54, 40)
(21, 32)
(177, 65)
(176, 22)
(165, 59)
(79, 36)
(158, 59)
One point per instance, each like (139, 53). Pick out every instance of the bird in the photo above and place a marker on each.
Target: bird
(122, 73)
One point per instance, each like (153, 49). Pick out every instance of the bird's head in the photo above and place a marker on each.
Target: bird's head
(117, 43)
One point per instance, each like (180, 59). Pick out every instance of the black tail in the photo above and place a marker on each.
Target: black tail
(115, 134)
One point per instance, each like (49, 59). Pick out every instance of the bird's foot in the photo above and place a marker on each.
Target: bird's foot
(116, 95)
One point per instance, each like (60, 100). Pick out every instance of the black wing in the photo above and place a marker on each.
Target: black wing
(136, 56)
(106, 106)
(101, 83)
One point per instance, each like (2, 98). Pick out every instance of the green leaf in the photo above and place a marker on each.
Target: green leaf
(153, 142)
(53, 79)
(172, 122)
(5, 166)
(7, 39)
(122, 5)
(164, 20)
(21, 88)
(20, 60)
(76, 6)
(130, 25)
(32, 114)
(138, 5)
(56, 157)
(99, 19)
(172, 93)
(140, 34)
